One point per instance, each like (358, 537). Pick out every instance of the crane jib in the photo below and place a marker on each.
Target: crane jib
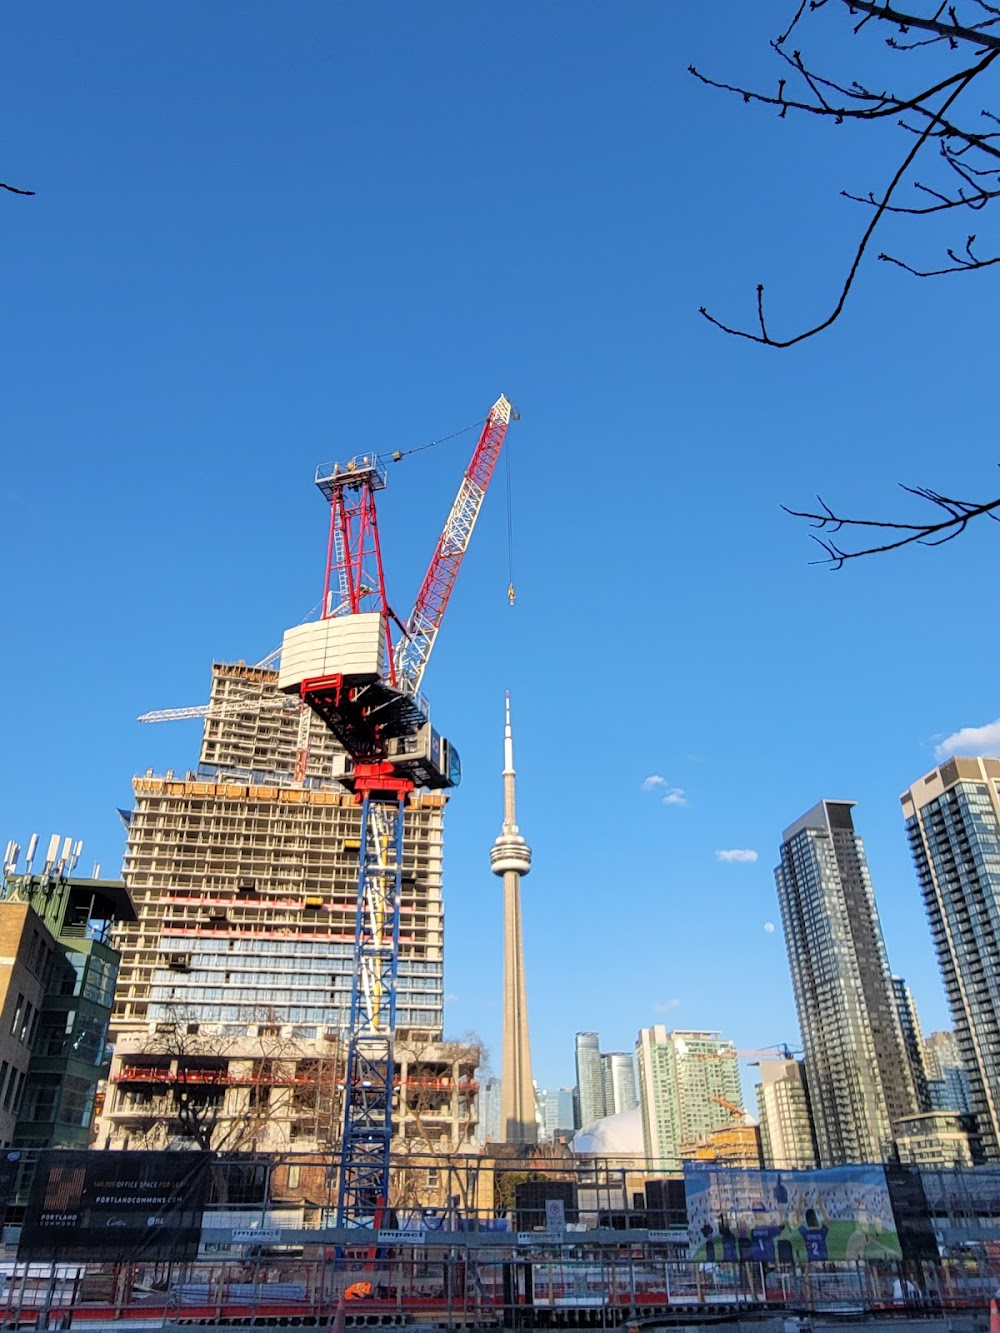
(413, 652)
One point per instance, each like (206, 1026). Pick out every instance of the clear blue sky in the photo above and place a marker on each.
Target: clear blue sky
(267, 236)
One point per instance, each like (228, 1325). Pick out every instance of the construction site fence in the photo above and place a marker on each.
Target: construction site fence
(472, 1192)
(600, 1286)
(465, 1241)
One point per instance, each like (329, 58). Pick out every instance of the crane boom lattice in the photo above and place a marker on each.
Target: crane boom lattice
(414, 649)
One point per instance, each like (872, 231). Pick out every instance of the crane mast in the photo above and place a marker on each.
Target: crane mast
(344, 668)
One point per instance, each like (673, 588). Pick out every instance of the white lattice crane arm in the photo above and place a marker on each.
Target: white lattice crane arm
(413, 652)
(174, 714)
(201, 710)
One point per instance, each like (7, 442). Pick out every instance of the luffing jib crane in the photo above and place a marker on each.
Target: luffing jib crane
(359, 669)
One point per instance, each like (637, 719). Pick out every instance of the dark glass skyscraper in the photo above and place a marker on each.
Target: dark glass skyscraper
(858, 1073)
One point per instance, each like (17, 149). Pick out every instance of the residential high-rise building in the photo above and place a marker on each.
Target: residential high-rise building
(858, 1075)
(589, 1078)
(244, 882)
(618, 1082)
(510, 858)
(953, 824)
(488, 1126)
(913, 1041)
(686, 1080)
(788, 1142)
(557, 1114)
(947, 1081)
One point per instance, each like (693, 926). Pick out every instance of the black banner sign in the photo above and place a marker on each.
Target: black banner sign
(113, 1206)
(913, 1221)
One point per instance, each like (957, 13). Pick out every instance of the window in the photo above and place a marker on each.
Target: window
(18, 1011)
(293, 1177)
(42, 1098)
(99, 981)
(77, 1101)
(8, 1095)
(15, 1101)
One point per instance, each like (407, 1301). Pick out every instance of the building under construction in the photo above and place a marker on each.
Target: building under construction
(235, 980)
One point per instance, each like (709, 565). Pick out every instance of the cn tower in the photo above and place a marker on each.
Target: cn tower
(510, 857)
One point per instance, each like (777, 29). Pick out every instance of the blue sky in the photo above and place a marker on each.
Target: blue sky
(265, 237)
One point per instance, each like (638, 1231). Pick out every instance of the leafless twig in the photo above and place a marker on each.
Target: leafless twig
(930, 112)
(959, 514)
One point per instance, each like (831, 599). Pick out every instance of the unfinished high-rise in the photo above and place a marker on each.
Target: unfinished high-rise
(235, 981)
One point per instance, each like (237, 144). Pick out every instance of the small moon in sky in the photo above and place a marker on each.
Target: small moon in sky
(768, 927)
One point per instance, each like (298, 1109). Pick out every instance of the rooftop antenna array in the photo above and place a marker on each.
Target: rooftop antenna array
(11, 852)
(61, 863)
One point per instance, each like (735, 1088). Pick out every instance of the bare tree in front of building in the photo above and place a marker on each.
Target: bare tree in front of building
(434, 1117)
(219, 1091)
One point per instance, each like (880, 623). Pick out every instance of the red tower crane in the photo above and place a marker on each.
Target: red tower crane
(363, 681)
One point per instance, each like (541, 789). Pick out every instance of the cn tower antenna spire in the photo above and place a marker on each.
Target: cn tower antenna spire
(510, 857)
(509, 806)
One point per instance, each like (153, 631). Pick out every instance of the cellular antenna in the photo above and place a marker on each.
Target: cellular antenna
(51, 854)
(11, 853)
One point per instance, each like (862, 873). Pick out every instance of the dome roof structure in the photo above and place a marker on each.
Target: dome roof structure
(611, 1136)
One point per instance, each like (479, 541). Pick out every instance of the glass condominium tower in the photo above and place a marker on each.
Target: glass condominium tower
(859, 1077)
(953, 824)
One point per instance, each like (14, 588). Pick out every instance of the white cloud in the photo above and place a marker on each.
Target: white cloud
(665, 1006)
(971, 740)
(768, 927)
(653, 781)
(741, 854)
(675, 796)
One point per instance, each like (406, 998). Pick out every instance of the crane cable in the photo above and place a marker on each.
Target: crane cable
(511, 595)
(399, 454)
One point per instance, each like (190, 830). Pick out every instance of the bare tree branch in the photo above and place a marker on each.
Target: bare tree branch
(764, 337)
(960, 264)
(931, 107)
(13, 189)
(955, 31)
(960, 513)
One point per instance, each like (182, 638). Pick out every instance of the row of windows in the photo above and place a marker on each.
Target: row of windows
(163, 1009)
(24, 1021)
